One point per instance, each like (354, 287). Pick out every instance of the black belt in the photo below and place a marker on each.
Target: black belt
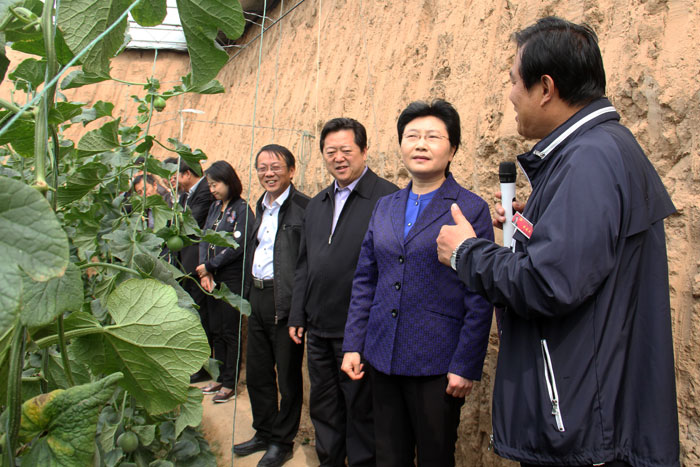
(262, 283)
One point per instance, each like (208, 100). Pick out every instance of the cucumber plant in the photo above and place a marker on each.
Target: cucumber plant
(97, 336)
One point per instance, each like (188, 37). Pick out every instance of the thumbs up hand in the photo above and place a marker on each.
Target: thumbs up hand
(451, 236)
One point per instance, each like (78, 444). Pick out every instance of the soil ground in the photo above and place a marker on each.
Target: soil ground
(218, 425)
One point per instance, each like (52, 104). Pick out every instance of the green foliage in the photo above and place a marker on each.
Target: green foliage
(113, 334)
(201, 22)
(43, 302)
(20, 135)
(31, 239)
(150, 12)
(82, 21)
(30, 72)
(62, 423)
(151, 335)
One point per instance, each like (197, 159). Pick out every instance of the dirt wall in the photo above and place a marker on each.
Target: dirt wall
(368, 60)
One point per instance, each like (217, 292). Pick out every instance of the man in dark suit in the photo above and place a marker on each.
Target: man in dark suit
(277, 231)
(194, 196)
(334, 225)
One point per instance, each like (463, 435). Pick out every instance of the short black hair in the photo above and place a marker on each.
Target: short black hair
(221, 171)
(338, 124)
(183, 167)
(139, 178)
(279, 151)
(440, 109)
(567, 52)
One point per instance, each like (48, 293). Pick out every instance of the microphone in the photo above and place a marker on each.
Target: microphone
(506, 174)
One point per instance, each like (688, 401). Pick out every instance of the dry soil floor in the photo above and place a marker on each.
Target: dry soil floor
(217, 426)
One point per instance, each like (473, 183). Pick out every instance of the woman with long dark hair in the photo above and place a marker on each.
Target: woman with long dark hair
(224, 267)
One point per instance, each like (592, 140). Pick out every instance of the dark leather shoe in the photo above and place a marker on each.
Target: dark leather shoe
(200, 376)
(276, 455)
(255, 444)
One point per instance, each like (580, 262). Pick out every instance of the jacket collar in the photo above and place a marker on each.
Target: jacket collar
(593, 114)
(443, 199)
(363, 188)
(283, 208)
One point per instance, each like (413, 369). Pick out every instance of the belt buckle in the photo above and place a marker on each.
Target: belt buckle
(258, 283)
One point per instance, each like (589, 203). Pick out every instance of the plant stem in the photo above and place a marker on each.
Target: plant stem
(64, 351)
(14, 393)
(121, 415)
(110, 266)
(44, 371)
(41, 127)
(9, 106)
(128, 82)
(56, 149)
(51, 340)
(146, 152)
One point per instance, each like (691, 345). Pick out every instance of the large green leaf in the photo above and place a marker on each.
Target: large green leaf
(150, 12)
(101, 109)
(34, 45)
(78, 78)
(154, 342)
(222, 292)
(30, 71)
(201, 22)
(31, 238)
(5, 8)
(160, 212)
(156, 268)
(190, 411)
(42, 302)
(20, 135)
(219, 238)
(81, 21)
(103, 139)
(64, 111)
(65, 422)
(82, 182)
(125, 244)
(56, 374)
(192, 158)
(212, 87)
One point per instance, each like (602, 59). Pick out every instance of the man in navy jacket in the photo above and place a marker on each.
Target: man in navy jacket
(585, 369)
(335, 222)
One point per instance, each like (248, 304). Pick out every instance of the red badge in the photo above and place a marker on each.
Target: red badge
(522, 224)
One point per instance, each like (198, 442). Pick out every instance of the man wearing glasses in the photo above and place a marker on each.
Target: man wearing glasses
(277, 231)
(334, 225)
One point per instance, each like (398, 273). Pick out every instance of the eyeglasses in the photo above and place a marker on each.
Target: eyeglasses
(277, 169)
(431, 138)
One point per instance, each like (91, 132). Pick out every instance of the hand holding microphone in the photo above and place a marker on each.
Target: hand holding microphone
(506, 175)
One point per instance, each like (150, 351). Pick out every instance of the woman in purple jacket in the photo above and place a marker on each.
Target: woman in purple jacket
(422, 333)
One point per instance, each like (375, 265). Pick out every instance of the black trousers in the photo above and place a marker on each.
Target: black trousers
(340, 408)
(223, 324)
(270, 348)
(414, 414)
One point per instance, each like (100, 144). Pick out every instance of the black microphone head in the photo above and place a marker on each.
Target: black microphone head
(506, 172)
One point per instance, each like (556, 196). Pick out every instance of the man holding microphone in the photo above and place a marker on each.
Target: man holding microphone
(585, 370)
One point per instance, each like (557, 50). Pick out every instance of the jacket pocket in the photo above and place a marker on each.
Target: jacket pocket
(551, 384)
(443, 315)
